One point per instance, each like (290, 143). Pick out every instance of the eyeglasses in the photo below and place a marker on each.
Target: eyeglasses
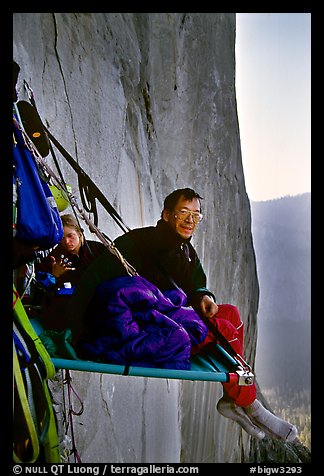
(184, 215)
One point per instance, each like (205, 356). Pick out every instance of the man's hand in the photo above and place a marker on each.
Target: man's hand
(207, 306)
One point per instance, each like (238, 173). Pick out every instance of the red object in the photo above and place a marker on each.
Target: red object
(229, 323)
(233, 377)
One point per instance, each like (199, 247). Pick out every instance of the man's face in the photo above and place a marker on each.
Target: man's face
(180, 220)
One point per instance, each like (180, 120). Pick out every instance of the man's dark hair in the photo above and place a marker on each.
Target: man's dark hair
(187, 193)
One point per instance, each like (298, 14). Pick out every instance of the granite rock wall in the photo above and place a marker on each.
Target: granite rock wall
(146, 103)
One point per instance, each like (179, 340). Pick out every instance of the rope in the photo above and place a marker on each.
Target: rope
(65, 189)
(107, 242)
(72, 412)
(88, 190)
(40, 161)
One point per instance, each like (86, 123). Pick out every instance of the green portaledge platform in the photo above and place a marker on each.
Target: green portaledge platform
(215, 367)
(203, 367)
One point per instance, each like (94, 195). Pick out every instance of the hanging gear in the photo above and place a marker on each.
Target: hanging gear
(38, 222)
(93, 228)
(33, 127)
(221, 367)
(60, 196)
(34, 421)
(89, 192)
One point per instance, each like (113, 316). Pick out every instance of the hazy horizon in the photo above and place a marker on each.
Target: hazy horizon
(273, 89)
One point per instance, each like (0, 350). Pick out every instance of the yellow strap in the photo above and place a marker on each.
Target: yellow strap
(32, 434)
(23, 319)
(51, 443)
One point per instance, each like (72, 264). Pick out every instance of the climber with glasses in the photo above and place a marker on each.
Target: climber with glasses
(186, 214)
(164, 255)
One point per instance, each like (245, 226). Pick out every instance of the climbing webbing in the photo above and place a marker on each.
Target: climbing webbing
(27, 449)
(34, 421)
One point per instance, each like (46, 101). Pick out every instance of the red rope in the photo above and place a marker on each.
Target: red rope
(17, 297)
(71, 411)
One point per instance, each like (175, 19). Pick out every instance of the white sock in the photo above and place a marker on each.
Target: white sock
(228, 409)
(270, 423)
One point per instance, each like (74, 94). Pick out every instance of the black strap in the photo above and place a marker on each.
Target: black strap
(126, 370)
(85, 179)
(210, 326)
(87, 187)
(218, 335)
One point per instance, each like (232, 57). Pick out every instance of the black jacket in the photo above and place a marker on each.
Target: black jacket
(88, 252)
(54, 313)
(164, 258)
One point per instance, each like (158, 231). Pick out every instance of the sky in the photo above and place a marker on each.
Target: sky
(273, 88)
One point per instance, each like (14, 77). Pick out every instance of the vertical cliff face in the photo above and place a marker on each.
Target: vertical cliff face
(146, 103)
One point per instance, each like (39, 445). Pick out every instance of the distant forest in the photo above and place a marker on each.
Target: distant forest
(282, 241)
(281, 231)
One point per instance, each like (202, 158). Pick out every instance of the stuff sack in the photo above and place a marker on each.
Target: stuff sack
(38, 222)
(33, 127)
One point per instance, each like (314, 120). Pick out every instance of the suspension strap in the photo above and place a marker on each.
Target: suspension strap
(224, 343)
(245, 376)
(65, 189)
(88, 189)
(94, 229)
(87, 184)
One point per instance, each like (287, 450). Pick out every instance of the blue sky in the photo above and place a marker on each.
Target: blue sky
(273, 87)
